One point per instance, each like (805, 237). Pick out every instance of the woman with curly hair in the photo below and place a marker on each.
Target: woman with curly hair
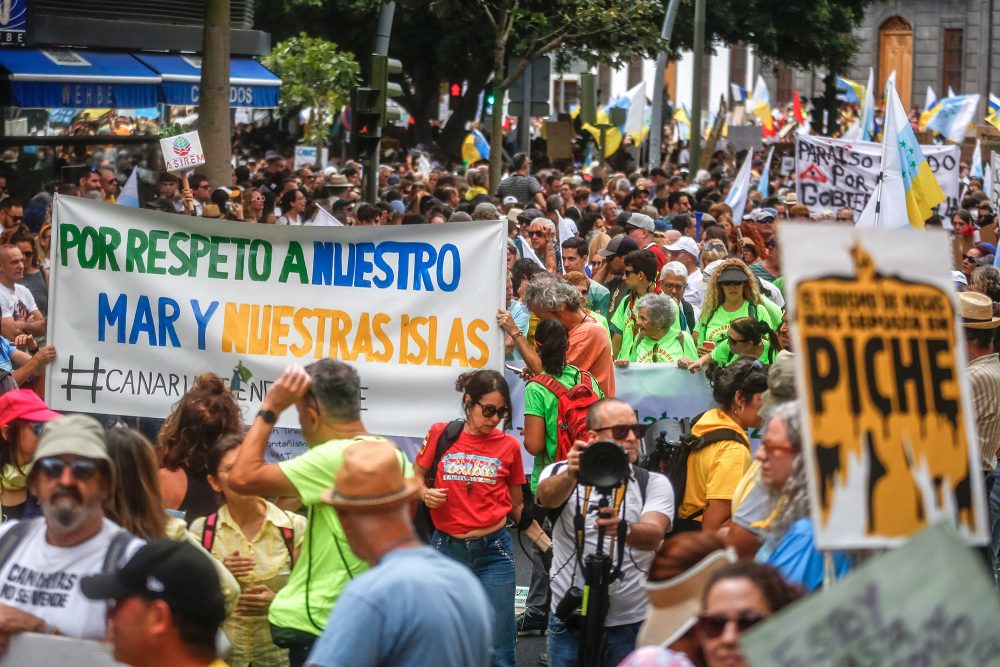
(204, 414)
(733, 292)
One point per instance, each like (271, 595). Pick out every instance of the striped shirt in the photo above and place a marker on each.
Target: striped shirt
(984, 378)
(521, 186)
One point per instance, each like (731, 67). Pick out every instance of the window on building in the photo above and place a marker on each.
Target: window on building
(783, 74)
(951, 69)
(634, 72)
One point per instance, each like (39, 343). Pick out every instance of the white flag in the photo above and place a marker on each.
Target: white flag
(324, 218)
(737, 197)
(129, 196)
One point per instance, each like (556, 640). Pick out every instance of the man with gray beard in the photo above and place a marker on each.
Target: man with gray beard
(43, 559)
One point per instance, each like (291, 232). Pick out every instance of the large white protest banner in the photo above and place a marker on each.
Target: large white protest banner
(929, 602)
(834, 173)
(889, 428)
(142, 302)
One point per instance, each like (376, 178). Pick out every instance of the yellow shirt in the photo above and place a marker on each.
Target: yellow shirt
(714, 471)
(251, 635)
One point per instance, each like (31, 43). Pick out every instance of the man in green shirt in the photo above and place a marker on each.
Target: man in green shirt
(327, 396)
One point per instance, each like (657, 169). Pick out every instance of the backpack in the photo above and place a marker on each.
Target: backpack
(671, 459)
(571, 420)
(422, 522)
(209, 530)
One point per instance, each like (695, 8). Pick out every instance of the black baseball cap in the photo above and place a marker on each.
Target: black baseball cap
(619, 247)
(175, 572)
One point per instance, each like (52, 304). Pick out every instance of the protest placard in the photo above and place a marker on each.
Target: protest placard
(994, 167)
(182, 152)
(834, 173)
(891, 440)
(930, 602)
(143, 302)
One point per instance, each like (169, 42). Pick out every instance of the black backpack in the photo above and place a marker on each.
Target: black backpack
(422, 522)
(671, 460)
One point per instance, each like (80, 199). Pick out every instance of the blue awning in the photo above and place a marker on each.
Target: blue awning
(251, 85)
(46, 78)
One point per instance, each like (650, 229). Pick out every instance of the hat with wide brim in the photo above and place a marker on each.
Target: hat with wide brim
(370, 477)
(976, 311)
(674, 604)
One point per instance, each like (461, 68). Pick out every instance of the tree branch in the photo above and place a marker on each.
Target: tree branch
(489, 14)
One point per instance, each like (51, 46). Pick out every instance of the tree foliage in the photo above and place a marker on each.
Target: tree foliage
(315, 74)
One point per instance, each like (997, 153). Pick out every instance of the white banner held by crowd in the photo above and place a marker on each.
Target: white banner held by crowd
(142, 302)
(834, 173)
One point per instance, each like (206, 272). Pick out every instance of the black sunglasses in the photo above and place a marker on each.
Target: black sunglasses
(711, 626)
(490, 411)
(969, 258)
(733, 341)
(82, 469)
(535, 232)
(620, 431)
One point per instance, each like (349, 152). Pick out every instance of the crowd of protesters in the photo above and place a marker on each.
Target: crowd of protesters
(190, 546)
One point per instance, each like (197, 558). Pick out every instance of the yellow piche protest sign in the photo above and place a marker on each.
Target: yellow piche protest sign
(891, 439)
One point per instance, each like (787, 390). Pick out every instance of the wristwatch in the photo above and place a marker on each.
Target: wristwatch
(269, 416)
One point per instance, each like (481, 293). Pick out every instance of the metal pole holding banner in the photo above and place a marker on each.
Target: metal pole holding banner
(699, 58)
(381, 48)
(656, 120)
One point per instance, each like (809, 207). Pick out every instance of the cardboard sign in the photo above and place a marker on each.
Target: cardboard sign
(559, 140)
(929, 602)
(890, 439)
(182, 152)
(745, 137)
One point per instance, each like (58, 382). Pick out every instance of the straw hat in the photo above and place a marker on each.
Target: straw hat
(674, 604)
(370, 477)
(976, 311)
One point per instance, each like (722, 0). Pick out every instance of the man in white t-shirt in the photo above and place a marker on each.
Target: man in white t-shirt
(18, 312)
(42, 560)
(648, 509)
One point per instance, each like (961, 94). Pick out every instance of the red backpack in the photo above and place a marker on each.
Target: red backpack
(571, 422)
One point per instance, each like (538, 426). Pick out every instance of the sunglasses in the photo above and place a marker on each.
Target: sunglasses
(621, 431)
(776, 448)
(969, 258)
(711, 626)
(54, 467)
(490, 411)
(535, 232)
(629, 272)
(734, 341)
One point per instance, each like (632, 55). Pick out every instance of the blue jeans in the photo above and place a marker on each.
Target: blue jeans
(564, 645)
(491, 559)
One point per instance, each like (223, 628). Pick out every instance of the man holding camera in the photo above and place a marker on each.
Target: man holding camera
(640, 501)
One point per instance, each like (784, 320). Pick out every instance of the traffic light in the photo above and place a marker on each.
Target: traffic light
(489, 99)
(366, 132)
(382, 67)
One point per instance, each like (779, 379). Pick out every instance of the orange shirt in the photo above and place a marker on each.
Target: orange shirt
(590, 350)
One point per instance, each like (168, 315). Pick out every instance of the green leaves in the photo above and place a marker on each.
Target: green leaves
(172, 130)
(316, 75)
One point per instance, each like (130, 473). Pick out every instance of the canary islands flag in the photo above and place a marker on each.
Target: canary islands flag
(993, 114)
(475, 147)
(923, 192)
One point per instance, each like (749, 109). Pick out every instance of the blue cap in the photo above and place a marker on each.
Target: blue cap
(660, 226)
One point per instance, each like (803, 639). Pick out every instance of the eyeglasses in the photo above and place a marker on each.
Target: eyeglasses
(671, 287)
(536, 232)
(734, 341)
(711, 626)
(490, 411)
(629, 272)
(54, 467)
(776, 448)
(621, 431)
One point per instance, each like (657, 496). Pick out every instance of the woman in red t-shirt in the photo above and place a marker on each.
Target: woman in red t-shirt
(477, 486)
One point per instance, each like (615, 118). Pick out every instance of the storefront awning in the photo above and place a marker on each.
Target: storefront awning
(46, 78)
(251, 85)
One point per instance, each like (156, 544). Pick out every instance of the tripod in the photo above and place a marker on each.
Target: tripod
(597, 577)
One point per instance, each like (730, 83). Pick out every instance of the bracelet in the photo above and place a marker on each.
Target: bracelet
(516, 334)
